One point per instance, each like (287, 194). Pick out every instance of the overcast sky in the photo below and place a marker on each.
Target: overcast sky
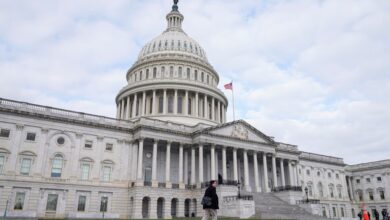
(311, 73)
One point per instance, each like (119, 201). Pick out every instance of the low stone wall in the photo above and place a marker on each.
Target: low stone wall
(232, 206)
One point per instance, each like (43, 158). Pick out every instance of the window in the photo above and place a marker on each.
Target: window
(180, 73)
(188, 73)
(358, 181)
(180, 104)
(339, 192)
(160, 104)
(379, 179)
(208, 79)
(56, 168)
(334, 212)
(25, 166)
(170, 104)
(196, 75)
(85, 171)
(360, 195)
(310, 189)
(368, 180)
(162, 70)
(103, 204)
(318, 173)
(1, 163)
(202, 77)
(331, 191)
(148, 174)
(52, 200)
(141, 75)
(88, 144)
(382, 194)
(308, 172)
(147, 73)
(324, 212)
(30, 136)
(337, 176)
(106, 173)
(154, 72)
(109, 147)
(171, 71)
(342, 212)
(60, 141)
(5, 133)
(19, 200)
(320, 190)
(81, 203)
(329, 175)
(371, 195)
(189, 107)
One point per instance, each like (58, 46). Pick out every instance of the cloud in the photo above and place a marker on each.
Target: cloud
(311, 73)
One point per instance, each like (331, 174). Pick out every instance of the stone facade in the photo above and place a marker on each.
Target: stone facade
(170, 137)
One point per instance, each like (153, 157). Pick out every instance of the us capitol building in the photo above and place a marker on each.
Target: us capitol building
(169, 138)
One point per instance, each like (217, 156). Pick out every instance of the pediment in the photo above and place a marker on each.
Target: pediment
(241, 130)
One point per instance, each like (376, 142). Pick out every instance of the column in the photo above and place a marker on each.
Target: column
(275, 177)
(134, 161)
(282, 172)
(154, 164)
(168, 165)
(290, 173)
(128, 108)
(118, 106)
(186, 104)
(297, 177)
(219, 112)
(185, 176)
(154, 109)
(123, 109)
(265, 169)
(246, 172)
(212, 109)
(135, 105)
(181, 183)
(223, 113)
(175, 103)
(350, 188)
(196, 104)
(165, 102)
(140, 159)
(216, 164)
(205, 106)
(143, 104)
(256, 171)
(200, 164)
(193, 166)
(224, 171)
(235, 171)
(212, 155)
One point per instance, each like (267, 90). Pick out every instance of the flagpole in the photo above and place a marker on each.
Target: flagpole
(234, 115)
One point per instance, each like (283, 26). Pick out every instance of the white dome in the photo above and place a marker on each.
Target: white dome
(175, 41)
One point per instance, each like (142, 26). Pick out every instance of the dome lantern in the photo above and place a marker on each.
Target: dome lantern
(174, 18)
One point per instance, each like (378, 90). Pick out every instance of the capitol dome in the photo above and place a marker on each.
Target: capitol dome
(172, 80)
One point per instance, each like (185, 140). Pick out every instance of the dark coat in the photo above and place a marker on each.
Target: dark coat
(212, 193)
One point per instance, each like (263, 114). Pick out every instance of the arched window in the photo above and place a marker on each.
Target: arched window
(320, 190)
(339, 191)
(160, 104)
(208, 79)
(202, 77)
(360, 195)
(162, 70)
(180, 72)
(56, 167)
(188, 73)
(154, 72)
(196, 75)
(331, 191)
(171, 71)
(310, 188)
(140, 75)
(147, 73)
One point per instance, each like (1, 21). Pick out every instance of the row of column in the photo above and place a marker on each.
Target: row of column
(293, 175)
(132, 107)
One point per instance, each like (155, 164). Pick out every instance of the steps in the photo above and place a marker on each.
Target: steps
(268, 206)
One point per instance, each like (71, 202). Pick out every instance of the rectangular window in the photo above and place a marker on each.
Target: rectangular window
(30, 136)
(334, 212)
(371, 195)
(1, 164)
(160, 104)
(170, 104)
(52, 200)
(179, 104)
(308, 172)
(88, 144)
(109, 147)
(25, 166)
(379, 179)
(4, 133)
(368, 180)
(19, 200)
(382, 194)
(106, 173)
(329, 175)
(337, 176)
(358, 181)
(103, 204)
(85, 171)
(81, 204)
(342, 212)
(56, 169)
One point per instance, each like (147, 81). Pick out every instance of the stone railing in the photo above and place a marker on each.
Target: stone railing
(234, 198)
(308, 201)
(51, 111)
(287, 188)
(237, 207)
(322, 158)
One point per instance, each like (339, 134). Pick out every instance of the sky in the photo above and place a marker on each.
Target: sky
(313, 73)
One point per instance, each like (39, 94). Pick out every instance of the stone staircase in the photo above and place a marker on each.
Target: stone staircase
(268, 206)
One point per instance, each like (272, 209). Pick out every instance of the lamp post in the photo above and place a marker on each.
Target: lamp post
(239, 189)
(307, 194)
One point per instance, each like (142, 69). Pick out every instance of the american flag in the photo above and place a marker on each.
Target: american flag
(229, 86)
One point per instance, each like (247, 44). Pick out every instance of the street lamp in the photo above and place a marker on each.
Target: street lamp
(307, 194)
(239, 189)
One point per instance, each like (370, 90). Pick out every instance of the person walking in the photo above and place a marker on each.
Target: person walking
(210, 202)
(376, 214)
